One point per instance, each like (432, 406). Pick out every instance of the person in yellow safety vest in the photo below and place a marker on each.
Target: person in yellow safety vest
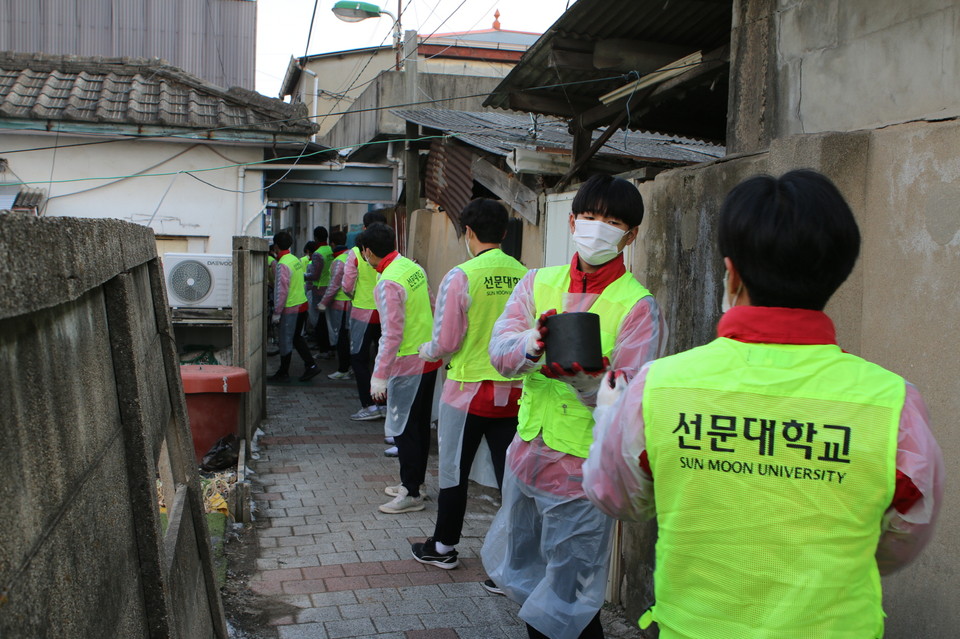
(400, 379)
(786, 475)
(335, 306)
(548, 548)
(478, 403)
(290, 311)
(359, 280)
(317, 278)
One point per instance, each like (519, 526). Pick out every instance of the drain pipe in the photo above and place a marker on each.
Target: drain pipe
(397, 161)
(241, 181)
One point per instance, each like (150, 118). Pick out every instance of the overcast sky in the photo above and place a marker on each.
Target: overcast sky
(282, 27)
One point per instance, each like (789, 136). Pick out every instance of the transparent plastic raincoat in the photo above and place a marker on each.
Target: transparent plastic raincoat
(335, 308)
(404, 372)
(449, 329)
(548, 547)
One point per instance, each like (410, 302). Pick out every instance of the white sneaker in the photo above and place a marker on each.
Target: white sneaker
(383, 410)
(366, 414)
(339, 375)
(393, 451)
(402, 504)
(389, 441)
(399, 489)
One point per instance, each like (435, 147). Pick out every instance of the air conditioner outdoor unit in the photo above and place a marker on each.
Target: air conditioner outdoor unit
(198, 280)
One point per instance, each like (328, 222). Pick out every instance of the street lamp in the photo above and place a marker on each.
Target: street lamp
(352, 11)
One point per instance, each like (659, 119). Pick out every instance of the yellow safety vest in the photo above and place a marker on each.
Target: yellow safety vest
(366, 282)
(340, 296)
(773, 465)
(295, 294)
(327, 254)
(491, 278)
(418, 316)
(549, 405)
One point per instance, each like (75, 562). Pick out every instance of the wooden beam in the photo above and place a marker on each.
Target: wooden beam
(619, 54)
(541, 102)
(571, 60)
(580, 162)
(508, 188)
(582, 137)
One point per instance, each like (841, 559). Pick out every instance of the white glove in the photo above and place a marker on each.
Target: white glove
(613, 386)
(321, 307)
(378, 389)
(534, 343)
(423, 355)
(584, 382)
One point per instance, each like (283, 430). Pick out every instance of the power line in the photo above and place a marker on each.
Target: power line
(278, 160)
(310, 32)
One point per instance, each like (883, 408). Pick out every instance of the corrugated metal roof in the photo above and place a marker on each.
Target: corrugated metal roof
(681, 25)
(500, 133)
(135, 92)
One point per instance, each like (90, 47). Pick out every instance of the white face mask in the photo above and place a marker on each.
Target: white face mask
(597, 242)
(466, 241)
(728, 301)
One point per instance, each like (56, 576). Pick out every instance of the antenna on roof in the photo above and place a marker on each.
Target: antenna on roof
(496, 20)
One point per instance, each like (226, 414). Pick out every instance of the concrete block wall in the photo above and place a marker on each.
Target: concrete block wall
(250, 326)
(93, 410)
(899, 308)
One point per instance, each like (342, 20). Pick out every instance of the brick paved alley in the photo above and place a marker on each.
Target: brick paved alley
(329, 564)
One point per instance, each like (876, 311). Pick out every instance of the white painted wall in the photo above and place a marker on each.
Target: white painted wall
(171, 204)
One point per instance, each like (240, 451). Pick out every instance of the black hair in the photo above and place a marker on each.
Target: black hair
(793, 239)
(372, 217)
(320, 233)
(487, 218)
(338, 237)
(611, 197)
(379, 238)
(310, 247)
(283, 240)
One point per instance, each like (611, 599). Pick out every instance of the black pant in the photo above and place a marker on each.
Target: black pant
(361, 363)
(452, 502)
(413, 444)
(593, 630)
(343, 343)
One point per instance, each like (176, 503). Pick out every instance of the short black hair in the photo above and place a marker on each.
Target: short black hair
(372, 217)
(320, 233)
(338, 238)
(379, 238)
(487, 218)
(611, 197)
(310, 247)
(283, 240)
(793, 239)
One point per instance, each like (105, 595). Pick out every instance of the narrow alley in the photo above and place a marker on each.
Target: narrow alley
(323, 562)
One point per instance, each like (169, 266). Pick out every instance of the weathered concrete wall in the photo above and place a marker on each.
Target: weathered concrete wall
(369, 116)
(93, 410)
(898, 308)
(810, 66)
